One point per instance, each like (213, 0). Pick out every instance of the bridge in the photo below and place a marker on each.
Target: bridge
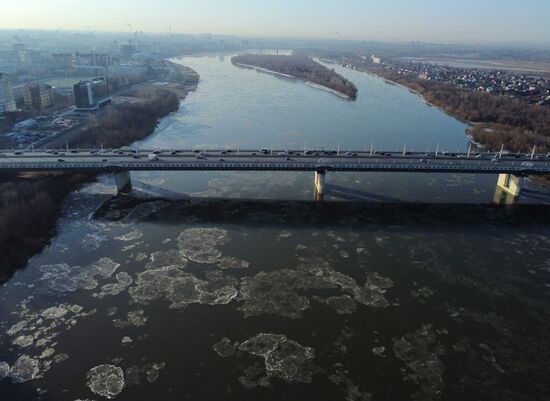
(511, 168)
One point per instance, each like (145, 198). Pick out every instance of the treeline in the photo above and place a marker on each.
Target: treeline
(28, 213)
(128, 123)
(507, 121)
(301, 67)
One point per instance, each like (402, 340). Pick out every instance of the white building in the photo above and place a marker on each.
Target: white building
(7, 101)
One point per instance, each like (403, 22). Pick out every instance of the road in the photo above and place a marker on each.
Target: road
(254, 160)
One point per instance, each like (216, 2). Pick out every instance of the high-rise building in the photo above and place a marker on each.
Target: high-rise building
(91, 95)
(37, 97)
(93, 59)
(62, 60)
(7, 101)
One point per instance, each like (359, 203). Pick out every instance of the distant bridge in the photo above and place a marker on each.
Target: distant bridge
(510, 167)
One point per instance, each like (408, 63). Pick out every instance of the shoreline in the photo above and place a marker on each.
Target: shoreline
(308, 83)
(47, 192)
(261, 69)
(322, 87)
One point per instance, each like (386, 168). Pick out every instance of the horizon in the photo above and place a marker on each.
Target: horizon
(426, 21)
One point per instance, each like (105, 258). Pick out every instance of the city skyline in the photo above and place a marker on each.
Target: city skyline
(425, 20)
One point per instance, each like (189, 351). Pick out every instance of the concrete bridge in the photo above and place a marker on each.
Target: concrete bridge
(511, 168)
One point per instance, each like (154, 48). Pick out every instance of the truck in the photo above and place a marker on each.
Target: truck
(152, 157)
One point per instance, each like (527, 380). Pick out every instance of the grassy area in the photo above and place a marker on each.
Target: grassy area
(65, 82)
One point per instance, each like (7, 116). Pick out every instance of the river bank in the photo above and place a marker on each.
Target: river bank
(494, 121)
(261, 69)
(30, 204)
(301, 67)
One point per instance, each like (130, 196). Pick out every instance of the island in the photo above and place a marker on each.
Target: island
(301, 67)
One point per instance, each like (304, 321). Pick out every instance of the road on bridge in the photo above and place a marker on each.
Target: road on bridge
(253, 160)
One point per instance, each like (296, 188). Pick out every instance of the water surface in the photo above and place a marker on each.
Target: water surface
(246, 289)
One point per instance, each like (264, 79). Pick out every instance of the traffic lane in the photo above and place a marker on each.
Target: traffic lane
(235, 158)
(326, 162)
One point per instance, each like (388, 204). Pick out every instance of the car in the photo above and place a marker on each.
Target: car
(156, 152)
(495, 159)
(60, 160)
(135, 157)
(253, 153)
(196, 151)
(221, 160)
(288, 159)
(2, 155)
(223, 152)
(173, 152)
(528, 164)
(73, 151)
(200, 157)
(103, 160)
(423, 160)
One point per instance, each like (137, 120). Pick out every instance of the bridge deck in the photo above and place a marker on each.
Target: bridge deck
(249, 160)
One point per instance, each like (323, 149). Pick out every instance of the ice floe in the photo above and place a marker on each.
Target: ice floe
(201, 244)
(106, 380)
(283, 358)
(421, 351)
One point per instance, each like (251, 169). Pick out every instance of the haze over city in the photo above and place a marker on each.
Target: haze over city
(490, 21)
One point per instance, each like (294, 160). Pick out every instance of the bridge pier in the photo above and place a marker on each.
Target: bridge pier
(319, 181)
(511, 184)
(122, 181)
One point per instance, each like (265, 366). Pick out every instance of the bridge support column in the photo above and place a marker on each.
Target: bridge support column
(122, 181)
(319, 181)
(511, 184)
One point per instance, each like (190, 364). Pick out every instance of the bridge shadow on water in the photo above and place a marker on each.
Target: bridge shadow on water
(353, 194)
(296, 213)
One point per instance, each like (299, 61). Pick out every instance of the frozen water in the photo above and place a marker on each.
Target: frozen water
(106, 380)
(23, 341)
(343, 304)
(224, 348)
(283, 358)
(421, 352)
(24, 369)
(201, 244)
(229, 262)
(4, 370)
(124, 279)
(172, 257)
(131, 236)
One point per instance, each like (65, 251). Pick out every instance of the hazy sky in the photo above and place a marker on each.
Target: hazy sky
(425, 20)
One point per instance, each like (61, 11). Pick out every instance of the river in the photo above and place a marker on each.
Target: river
(225, 286)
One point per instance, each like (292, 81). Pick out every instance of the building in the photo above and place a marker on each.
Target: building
(7, 101)
(62, 61)
(37, 97)
(91, 95)
(30, 57)
(18, 47)
(375, 60)
(93, 60)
